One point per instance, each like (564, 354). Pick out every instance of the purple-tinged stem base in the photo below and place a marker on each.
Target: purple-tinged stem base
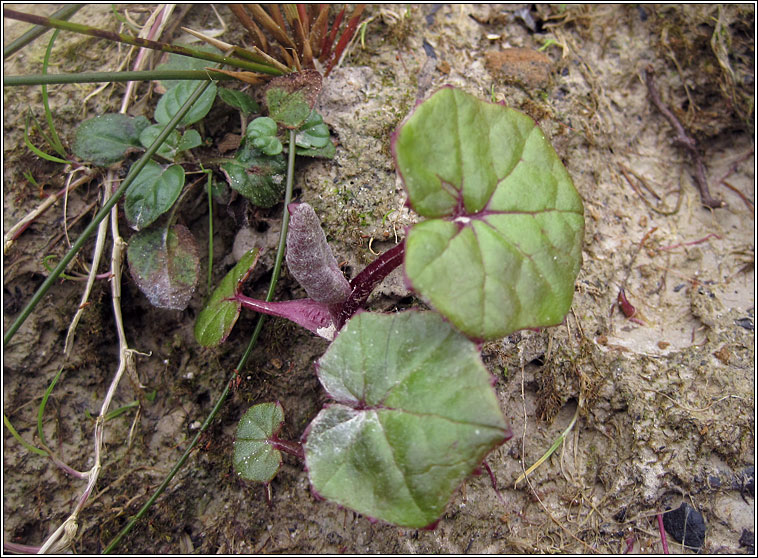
(367, 280)
(293, 448)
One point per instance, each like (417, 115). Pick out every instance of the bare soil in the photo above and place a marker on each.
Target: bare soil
(665, 400)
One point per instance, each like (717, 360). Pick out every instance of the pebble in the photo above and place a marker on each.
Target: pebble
(686, 525)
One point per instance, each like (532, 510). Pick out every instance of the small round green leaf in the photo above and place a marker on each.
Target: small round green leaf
(261, 133)
(153, 192)
(502, 245)
(173, 100)
(326, 152)
(415, 415)
(254, 458)
(313, 134)
(190, 139)
(105, 139)
(164, 263)
(216, 320)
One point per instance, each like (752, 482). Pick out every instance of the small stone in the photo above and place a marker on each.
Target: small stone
(521, 65)
(747, 323)
(747, 539)
(686, 525)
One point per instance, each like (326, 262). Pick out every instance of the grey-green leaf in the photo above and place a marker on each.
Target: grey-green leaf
(164, 263)
(290, 98)
(254, 458)
(168, 149)
(502, 245)
(153, 192)
(415, 414)
(105, 139)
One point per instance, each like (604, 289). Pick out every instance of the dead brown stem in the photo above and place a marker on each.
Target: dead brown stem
(685, 140)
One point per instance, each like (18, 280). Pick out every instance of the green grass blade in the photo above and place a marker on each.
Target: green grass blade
(38, 151)
(145, 43)
(55, 141)
(21, 441)
(43, 403)
(38, 30)
(102, 77)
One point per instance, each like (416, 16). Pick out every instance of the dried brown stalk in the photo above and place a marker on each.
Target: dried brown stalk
(685, 140)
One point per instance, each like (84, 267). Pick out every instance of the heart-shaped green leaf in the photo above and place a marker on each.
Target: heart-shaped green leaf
(190, 139)
(216, 320)
(503, 243)
(105, 139)
(258, 177)
(153, 192)
(174, 99)
(254, 458)
(290, 98)
(415, 415)
(164, 264)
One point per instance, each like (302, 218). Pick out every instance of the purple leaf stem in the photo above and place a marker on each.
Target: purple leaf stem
(314, 316)
(367, 280)
(293, 448)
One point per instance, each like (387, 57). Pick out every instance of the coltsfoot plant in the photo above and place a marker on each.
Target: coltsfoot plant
(414, 410)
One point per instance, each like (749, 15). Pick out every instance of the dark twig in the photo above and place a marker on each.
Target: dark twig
(685, 140)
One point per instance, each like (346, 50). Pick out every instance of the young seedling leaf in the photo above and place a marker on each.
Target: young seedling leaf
(216, 320)
(261, 134)
(173, 100)
(290, 98)
(415, 414)
(153, 192)
(105, 139)
(239, 100)
(164, 263)
(503, 241)
(258, 177)
(255, 459)
(313, 134)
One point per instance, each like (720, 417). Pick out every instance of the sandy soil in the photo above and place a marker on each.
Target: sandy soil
(664, 402)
